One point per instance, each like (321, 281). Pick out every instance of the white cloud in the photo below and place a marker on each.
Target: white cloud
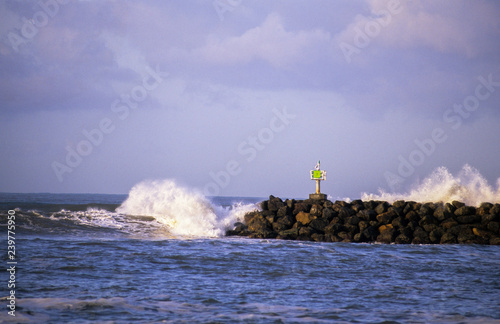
(270, 42)
(446, 26)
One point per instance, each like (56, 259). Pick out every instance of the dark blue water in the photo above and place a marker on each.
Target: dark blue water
(94, 265)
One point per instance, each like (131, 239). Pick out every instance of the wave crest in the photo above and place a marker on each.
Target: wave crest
(469, 186)
(185, 212)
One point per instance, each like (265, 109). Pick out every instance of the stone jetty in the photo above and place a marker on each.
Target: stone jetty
(402, 222)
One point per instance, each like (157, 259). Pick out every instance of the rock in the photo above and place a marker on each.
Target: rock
(290, 234)
(469, 219)
(481, 233)
(399, 222)
(488, 218)
(318, 237)
(495, 210)
(449, 223)
(381, 208)
(367, 214)
(283, 211)
(274, 203)
(494, 227)
(335, 228)
(450, 208)
(442, 214)
(495, 241)
(435, 235)
(239, 227)
(258, 224)
(345, 236)
(370, 233)
(345, 212)
(457, 204)
(319, 225)
(304, 218)
(466, 237)
(249, 216)
(402, 239)
(328, 213)
(420, 236)
(412, 216)
(399, 204)
(316, 210)
(353, 220)
(448, 238)
(301, 207)
(465, 211)
(386, 218)
(306, 231)
(284, 223)
(426, 209)
(428, 220)
(387, 234)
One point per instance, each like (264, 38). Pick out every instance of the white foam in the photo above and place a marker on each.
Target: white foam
(468, 186)
(185, 212)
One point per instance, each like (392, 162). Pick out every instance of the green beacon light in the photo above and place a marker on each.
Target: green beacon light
(318, 175)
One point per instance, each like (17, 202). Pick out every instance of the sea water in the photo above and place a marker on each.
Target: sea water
(159, 255)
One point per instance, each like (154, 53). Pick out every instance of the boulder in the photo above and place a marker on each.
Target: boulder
(386, 218)
(469, 219)
(304, 218)
(457, 204)
(319, 225)
(465, 211)
(283, 211)
(284, 223)
(448, 238)
(274, 203)
(381, 207)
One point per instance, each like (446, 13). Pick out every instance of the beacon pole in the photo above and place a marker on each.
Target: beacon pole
(318, 175)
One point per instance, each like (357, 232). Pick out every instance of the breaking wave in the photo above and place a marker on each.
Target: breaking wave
(468, 186)
(185, 212)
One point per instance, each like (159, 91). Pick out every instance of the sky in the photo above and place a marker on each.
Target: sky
(242, 98)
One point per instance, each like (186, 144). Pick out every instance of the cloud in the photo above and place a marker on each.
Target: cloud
(270, 42)
(460, 27)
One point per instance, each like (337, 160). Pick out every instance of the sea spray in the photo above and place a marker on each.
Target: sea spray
(185, 212)
(469, 186)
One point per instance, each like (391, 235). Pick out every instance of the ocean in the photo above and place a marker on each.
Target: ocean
(159, 255)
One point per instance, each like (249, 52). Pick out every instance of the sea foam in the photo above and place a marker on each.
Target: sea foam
(468, 186)
(184, 211)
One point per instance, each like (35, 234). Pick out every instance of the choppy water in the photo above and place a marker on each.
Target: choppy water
(91, 264)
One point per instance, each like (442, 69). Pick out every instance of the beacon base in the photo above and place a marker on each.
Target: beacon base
(317, 196)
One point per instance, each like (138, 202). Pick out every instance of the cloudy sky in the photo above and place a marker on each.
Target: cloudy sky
(241, 97)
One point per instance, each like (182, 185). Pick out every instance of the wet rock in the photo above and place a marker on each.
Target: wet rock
(469, 219)
(304, 218)
(386, 218)
(401, 223)
(448, 238)
(381, 208)
(284, 223)
(457, 204)
(319, 225)
(465, 211)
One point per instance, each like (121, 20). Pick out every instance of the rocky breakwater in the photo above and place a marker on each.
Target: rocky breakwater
(402, 222)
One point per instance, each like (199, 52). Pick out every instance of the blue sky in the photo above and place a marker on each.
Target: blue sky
(241, 98)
